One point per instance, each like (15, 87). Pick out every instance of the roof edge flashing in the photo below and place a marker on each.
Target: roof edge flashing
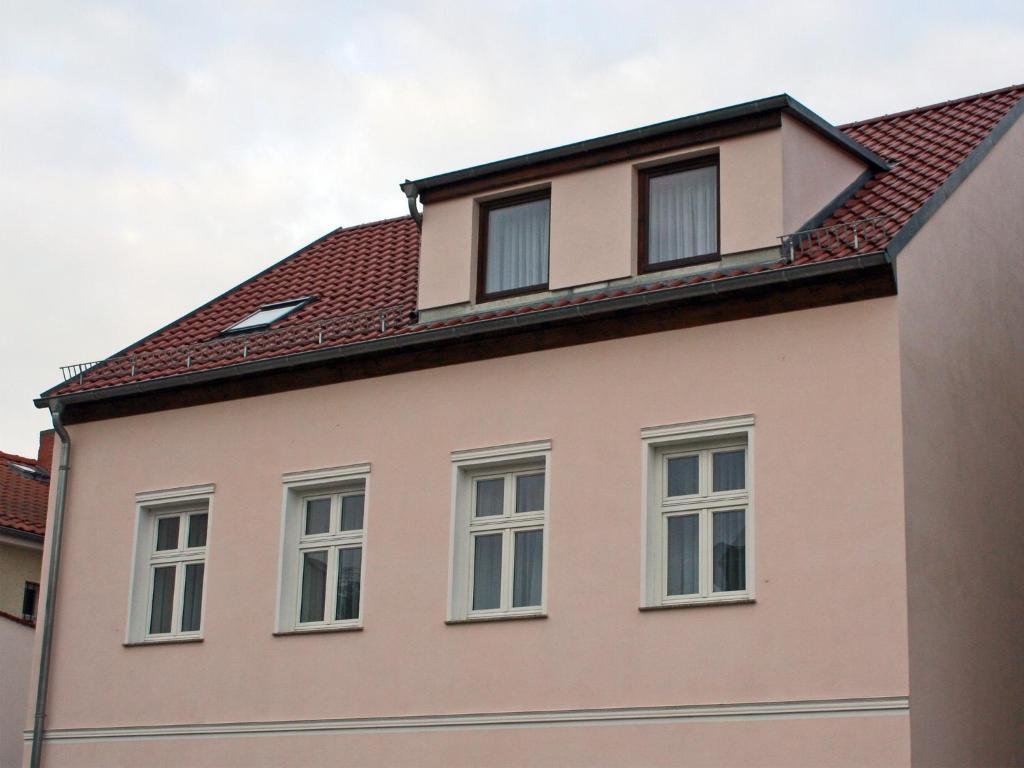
(779, 103)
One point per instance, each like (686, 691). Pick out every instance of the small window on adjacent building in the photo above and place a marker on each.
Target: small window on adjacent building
(30, 601)
(699, 513)
(500, 532)
(170, 567)
(266, 315)
(514, 234)
(678, 214)
(324, 550)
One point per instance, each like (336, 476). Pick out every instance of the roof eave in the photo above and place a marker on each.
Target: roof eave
(419, 339)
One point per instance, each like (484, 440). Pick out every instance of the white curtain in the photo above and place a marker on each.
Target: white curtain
(527, 569)
(350, 561)
(730, 562)
(517, 246)
(682, 215)
(683, 558)
(487, 572)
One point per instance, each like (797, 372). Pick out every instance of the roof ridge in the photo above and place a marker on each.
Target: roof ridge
(927, 107)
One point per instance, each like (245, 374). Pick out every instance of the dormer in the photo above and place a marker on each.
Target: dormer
(699, 193)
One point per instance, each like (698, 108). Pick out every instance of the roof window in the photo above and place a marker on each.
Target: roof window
(28, 469)
(267, 315)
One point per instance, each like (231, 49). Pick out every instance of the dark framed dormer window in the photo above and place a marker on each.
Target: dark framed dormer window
(513, 242)
(678, 222)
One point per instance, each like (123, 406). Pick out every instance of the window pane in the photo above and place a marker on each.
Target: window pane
(29, 600)
(314, 586)
(318, 516)
(167, 532)
(530, 493)
(683, 475)
(517, 246)
(192, 602)
(352, 513)
(347, 603)
(197, 530)
(682, 215)
(487, 572)
(490, 497)
(163, 599)
(730, 563)
(527, 570)
(729, 470)
(683, 545)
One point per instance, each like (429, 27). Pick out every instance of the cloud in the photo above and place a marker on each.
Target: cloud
(153, 155)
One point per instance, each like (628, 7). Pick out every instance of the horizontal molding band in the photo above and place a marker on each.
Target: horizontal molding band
(887, 705)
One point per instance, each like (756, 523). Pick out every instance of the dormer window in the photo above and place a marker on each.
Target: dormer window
(266, 315)
(678, 214)
(514, 233)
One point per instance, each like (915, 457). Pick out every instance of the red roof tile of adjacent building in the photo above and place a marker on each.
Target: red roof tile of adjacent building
(364, 278)
(23, 494)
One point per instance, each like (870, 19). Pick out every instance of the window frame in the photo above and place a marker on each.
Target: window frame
(484, 209)
(468, 467)
(703, 438)
(300, 487)
(293, 306)
(644, 176)
(31, 587)
(151, 507)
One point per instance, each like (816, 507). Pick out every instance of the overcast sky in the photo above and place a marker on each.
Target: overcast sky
(154, 154)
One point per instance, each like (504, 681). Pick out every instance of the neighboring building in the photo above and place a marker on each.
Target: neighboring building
(24, 487)
(592, 470)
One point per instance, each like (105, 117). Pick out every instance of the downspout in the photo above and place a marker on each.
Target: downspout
(411, 193)
(53, 573)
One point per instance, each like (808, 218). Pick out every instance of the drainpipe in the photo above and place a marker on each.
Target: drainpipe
(411, 193)
(53, 573)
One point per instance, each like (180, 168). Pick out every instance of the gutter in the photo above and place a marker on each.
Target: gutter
(411, 193)
(52, 577)
(401, 342)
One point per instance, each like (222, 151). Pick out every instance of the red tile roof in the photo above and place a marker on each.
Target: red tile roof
(23, 495)
(359, 272)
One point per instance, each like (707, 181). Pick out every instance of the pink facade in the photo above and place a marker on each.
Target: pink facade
(829, 552)
(833, 387)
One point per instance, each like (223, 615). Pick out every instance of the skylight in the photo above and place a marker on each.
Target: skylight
(266, 315)
(27, 469)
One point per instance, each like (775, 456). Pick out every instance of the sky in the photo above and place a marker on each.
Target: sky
(153, 155)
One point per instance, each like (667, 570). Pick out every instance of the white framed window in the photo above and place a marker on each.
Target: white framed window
(698, 513)
(167, 594)
(499, 532)
(323, 555)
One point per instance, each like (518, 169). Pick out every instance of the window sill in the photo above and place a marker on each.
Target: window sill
(318, 630)
(168, 641)
(745, 600)
(504, 617)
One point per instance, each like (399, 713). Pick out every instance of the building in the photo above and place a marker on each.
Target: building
(24, 486)
(580, 465)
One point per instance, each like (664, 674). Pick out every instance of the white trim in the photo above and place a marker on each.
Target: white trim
(467, 466)
(175, 495)
(501, 452)
(702, 428)
(334, 482)
(701, 437)
(148, 506)
(862, 707)
(326, 475)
